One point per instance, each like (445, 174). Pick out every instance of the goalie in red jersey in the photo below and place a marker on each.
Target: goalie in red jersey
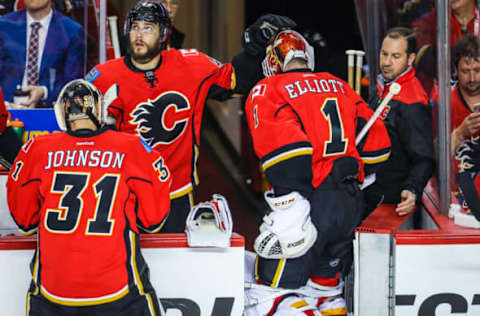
(162, 92)
(88, 192)
(304, 127)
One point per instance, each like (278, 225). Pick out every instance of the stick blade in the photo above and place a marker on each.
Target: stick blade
(111, 94)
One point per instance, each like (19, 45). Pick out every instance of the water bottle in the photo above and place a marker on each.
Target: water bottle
(18, 127)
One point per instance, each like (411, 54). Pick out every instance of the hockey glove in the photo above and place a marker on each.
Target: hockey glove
(257, 36)
(209, 224)
(287, 232)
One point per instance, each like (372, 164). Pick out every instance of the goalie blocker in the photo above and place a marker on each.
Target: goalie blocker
(336, 209)
(287, 232)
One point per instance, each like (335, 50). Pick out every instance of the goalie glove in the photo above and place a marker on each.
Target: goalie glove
(287, 232)
(209, 224)
(257, 36)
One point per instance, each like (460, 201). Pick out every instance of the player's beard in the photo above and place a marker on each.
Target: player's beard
(152, 52)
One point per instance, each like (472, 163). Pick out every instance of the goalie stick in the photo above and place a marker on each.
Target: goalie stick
(5, 163)
(394, 90)
(110, 95)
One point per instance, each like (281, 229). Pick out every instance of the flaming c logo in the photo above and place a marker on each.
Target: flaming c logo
(151, 118)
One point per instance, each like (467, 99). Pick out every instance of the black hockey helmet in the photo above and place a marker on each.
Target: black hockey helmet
(149, 11)
(79, 99)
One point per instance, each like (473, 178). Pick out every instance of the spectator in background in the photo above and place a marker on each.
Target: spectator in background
(9, 141)
(464, 19)
(162, 92)
(465, 122)
(88, 211)
(40, 50)
(175, 36)
(409, 123)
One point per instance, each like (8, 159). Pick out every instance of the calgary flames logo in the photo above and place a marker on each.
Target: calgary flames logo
(162, 120)
(467, 154)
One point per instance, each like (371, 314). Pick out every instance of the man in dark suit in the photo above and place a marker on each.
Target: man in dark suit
(60, 53)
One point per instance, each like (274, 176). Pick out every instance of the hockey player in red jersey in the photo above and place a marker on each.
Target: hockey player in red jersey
(304, 126)
(88, 192)
(162, 92)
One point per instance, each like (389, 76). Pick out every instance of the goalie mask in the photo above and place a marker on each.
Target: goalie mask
(286, 46)
(150, 11)
(79, 99)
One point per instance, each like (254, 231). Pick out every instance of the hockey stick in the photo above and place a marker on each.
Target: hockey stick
(358, 72)
(350, 65)
(110, 95)
(112, 23)
(5, 163)
(394, 90)
(354, 67)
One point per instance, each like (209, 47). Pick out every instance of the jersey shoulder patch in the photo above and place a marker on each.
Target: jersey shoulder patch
(258, 91)
(92, 75)
(26, 147)
(216, 62)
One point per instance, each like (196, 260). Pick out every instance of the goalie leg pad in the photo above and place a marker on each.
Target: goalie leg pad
(334, 306)
(325, 293)
(262, 300)
(287, 232)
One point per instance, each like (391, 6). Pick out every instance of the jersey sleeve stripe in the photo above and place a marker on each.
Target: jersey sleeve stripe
(375, 159)
(154, 228)
(286, 152)
(25, 230)
(85, 301)
(181, 192)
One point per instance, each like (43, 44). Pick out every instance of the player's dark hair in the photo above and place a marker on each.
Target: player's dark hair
(400, 31)
(467, 46)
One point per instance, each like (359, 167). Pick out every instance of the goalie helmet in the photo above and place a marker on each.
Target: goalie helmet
(286, 46)
(79, 99)
(149, 11)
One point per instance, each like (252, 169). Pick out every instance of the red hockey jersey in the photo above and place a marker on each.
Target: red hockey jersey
(166, 111)
(315, 115)
(87, 197)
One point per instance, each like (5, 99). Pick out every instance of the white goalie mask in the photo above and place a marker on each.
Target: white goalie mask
(286, 46)
(79, 99)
